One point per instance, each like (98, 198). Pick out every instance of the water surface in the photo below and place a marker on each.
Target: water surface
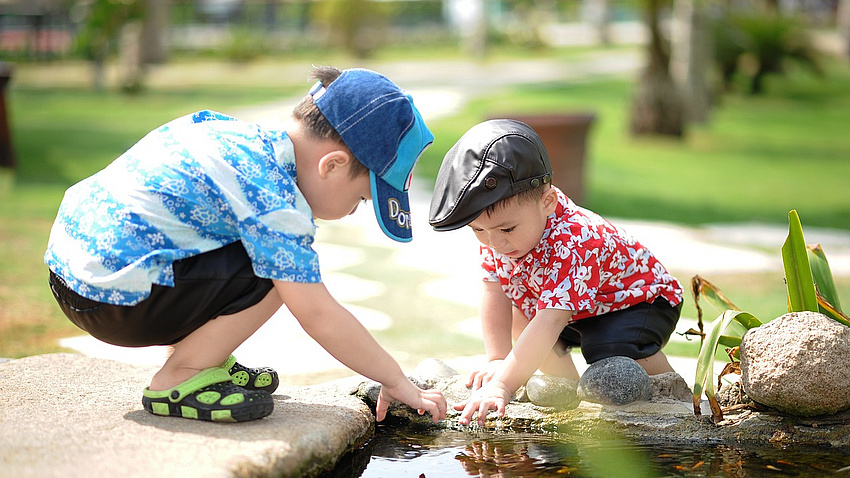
(466, 452)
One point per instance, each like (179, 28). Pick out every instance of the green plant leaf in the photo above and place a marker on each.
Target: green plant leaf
(798, 273)
(729, 341)
(822, 275)
(704, 376)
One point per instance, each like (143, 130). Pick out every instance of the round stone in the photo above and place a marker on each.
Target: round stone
(549, 391)
(615, 381)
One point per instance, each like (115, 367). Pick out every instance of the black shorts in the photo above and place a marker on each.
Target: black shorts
(637, 332)
(219, 282)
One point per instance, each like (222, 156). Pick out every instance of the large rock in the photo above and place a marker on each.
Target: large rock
(615, 381)
(797, 364)
(73, 416)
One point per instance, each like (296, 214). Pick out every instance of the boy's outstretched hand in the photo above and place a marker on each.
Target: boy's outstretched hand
(493, 396)
(479, 378)
(431, 401)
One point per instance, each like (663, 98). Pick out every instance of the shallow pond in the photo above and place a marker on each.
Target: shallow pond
(438, 453)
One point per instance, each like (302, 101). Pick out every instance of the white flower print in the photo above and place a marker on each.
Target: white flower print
(203, 216)
(283, 259)
(106, 240)
(250, 168)
(176, 187)
(269, 200)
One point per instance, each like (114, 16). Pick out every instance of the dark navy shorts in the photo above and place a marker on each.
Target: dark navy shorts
(637, 332)
(219, 282)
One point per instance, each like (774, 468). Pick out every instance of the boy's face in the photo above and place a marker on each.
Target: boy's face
(339, 195)
(516, 228)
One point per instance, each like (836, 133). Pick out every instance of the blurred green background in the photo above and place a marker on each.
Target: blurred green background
(772, 138)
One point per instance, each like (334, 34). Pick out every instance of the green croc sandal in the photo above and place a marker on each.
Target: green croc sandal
(263, 378)
(210, 395)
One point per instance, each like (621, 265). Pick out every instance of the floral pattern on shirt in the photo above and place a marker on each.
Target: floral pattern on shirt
(583, 263)
(193, 185)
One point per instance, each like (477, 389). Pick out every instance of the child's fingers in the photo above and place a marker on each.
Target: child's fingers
(381, 408)
(468, 411)
(482, 412)
(437, 409)
(471, 379)
(440, 403)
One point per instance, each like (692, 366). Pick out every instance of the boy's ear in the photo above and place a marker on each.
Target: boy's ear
(550, 200)
(334, 161)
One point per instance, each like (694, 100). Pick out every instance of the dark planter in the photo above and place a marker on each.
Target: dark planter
(565, 137)
(7, 154)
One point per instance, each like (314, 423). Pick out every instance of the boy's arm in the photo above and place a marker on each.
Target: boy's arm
(496, 322)
(528, 353)
(338, 332)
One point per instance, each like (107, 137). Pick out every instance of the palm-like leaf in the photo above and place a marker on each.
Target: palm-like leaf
(798, 272)
(704, 378)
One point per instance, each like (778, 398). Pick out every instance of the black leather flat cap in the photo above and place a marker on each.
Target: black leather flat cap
(494, 160)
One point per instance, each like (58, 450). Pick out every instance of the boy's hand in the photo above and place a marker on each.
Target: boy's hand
(479, 378)
(431, 401)
(494, 396)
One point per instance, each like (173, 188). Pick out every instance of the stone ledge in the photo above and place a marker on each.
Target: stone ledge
(665, 420)
(73, 416)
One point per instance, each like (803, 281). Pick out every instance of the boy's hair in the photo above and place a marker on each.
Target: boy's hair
(528, 195)
(315, 123)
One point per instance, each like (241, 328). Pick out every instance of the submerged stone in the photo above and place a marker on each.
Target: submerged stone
(615, 381)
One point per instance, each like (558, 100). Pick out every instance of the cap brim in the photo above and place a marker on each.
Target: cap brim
(392, 209)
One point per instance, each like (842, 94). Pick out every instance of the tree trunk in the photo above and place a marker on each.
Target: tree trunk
(154, 32)
(657, 107)
(131, 69)
(691, 59)
(598, 14)
(842, 22)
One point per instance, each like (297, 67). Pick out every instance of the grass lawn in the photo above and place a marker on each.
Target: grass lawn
(756, 159)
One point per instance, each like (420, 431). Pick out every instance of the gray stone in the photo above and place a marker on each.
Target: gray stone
(550, 391)
(73, 416)
(615, 381)
(795, 364)
(670, 385)
(427, 375)
(732, 394)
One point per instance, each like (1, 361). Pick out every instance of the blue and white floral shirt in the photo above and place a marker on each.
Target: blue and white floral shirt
(191, 186)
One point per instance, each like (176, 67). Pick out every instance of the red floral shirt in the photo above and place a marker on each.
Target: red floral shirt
(584, 264)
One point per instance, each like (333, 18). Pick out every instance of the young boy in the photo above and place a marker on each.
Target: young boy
(557, 275)
(197, 234)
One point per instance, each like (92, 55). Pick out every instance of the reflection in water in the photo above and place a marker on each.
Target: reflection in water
(440, 453)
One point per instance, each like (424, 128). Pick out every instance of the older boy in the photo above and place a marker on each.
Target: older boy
(196, 235)
(557, 275)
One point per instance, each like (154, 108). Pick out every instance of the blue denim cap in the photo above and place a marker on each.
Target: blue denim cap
(380, 125)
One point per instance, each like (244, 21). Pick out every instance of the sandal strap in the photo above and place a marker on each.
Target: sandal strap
(229, 363)
(202, 379)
